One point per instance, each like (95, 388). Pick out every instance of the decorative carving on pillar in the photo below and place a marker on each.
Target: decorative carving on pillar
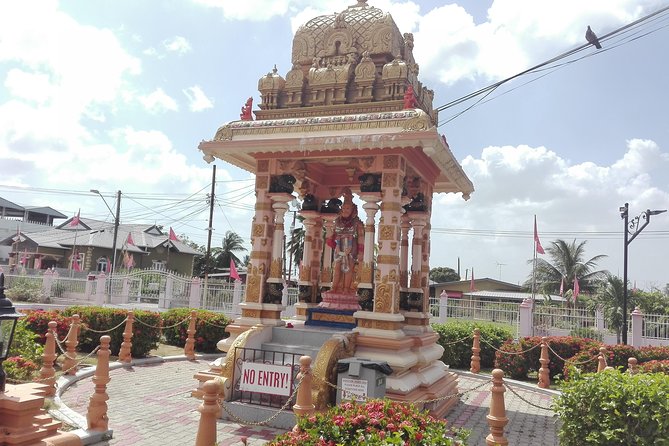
(282, 184)
(310, 203)
(275, 269)
(417, 204)
(304, 293)
(246, 115)
(370, 182)
(274, 293)
(366, 298)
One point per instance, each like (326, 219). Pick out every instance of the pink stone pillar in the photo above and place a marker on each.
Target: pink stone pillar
(544, 372)
(100, 289)
(209, 412)
(194, 297)
(71, 342)
(497, 419)
(405, 226)
(525, 318)
(637, 328)
(475, 365)
(189, 348)
(443, 307)
(97, 406)
(47, 373)
(304, 404)
(124, 354)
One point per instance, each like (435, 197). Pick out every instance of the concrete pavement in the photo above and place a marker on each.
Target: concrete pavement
(150, 405)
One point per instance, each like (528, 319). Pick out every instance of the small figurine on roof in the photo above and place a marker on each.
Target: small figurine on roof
(410, 98)
(246, 110)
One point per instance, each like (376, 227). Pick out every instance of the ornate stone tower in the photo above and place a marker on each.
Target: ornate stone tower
(351, 114)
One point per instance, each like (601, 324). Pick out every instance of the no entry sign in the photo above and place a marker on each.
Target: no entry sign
(266, 378)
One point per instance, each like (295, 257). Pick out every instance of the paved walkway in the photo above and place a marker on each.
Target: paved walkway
(150, 405)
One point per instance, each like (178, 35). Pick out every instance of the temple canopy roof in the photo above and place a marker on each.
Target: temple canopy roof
(353, 89)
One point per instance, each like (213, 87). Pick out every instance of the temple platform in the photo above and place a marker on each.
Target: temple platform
(327, 317)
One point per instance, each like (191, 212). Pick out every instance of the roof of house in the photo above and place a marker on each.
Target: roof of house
(511, 295)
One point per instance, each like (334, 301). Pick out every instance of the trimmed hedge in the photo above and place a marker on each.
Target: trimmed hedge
(458, 355)
(617, 356)
(655, 367)
(144, 338)
(614, 409)
(209, 328)
(37, 321)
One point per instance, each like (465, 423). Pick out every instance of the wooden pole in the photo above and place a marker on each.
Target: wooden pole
(189, 348)
(125, 354)
(544, 371)
(497, 417)
(475, 365)
(71, 342)
(209, 412)
(47, 373)
(97, 405)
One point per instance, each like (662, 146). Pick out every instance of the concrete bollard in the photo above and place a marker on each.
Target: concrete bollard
(544, 371)
(71, 342)
(304, 404)
(497, 417)
(209, 412)
(632, 366)
(97, 405)
(601, 365)
(475, 365)
(189, 348)
(125, 354)
(47, 373)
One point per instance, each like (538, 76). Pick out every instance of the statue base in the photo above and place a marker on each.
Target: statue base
(334, 300)
(325, 317)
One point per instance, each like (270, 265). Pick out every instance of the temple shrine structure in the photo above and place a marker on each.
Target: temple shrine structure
(349, 127)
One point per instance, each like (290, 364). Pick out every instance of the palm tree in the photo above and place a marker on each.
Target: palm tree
(567, 262)
(610, 297)
(232, 242)
(295, 246)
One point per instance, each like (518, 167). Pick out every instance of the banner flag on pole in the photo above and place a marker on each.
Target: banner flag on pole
(233, 271)
(471, 282)
(75, 219)
(173, 236)
(562, 286)
(537, 243)
(129, 241)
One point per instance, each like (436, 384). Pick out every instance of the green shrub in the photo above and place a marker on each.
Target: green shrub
(19, 369)
(375, 423)
(209, 328)
(25, 354)
(101, 319)
(587, 333)
(655, 367)
(617, 356)
(614, 408)
(458, 354)
(26, 290)
(37, 321)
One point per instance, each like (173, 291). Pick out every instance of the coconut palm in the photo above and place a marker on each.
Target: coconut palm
(295, 245)
(609, 296)
(567, 262)
(232, 243)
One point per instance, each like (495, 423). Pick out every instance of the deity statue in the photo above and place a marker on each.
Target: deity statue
(348, 243)
(410, 98)
(246, 110)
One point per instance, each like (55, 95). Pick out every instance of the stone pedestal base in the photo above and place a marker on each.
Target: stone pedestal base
(301, 310)
(326, 317)
(444, 387)
(340, 301)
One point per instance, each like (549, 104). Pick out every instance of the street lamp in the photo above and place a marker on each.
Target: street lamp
(116, 221)
(632, 229)
(8, 318)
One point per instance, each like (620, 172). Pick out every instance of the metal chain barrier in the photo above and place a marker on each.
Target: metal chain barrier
(63, 372)
(213, 325)
(60, 343)
(565, 360)
(55, 335)
(264, 422)
(161, 327)
(85, 327)
(510, 353)
(458, 341)
(526, 401)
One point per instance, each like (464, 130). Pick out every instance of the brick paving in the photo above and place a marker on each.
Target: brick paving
(150, 405)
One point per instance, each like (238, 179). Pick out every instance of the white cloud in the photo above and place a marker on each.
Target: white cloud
(256, 10)
(198, 101)
(177, 44)
(515, 183)
(158, 102)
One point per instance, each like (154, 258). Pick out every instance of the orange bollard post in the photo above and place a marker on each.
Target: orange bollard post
(544, 371)
(97, 405)
(125, 354)
(497, 417)
(602, 359)
(71, 342)
(209, 412)
(189, 348)
(632, 366)
(304, 404)
(475, 365)
(47, 374)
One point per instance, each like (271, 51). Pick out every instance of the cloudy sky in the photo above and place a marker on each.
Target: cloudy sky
(116, 95)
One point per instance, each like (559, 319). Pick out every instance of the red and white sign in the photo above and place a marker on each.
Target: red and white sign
(266, 378)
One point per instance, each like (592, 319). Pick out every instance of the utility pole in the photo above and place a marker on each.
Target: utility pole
(210, 230)
(116, 224)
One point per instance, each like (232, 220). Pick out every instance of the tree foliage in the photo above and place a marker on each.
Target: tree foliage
(567, 261)
(442, 274)
(231, 244)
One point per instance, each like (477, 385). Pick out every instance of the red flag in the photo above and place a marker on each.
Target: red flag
(577, 289)
(75, 262)
(233, 271)
(173, 236)
(471, 282)
(129, 240)
(562, 286)
(75, 219)
(537, 243)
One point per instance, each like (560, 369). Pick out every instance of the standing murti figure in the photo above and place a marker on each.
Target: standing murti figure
(347, 241)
